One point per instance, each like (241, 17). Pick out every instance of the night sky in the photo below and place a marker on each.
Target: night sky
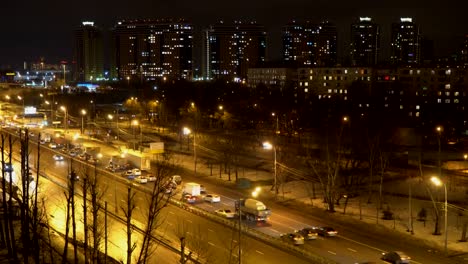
(35, 28)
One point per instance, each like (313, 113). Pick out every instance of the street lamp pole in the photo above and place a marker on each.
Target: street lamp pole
(240, 233)
(83, 113)
(268, 145)
(436, 181)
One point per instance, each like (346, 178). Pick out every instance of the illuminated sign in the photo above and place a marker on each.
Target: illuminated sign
(10, 74)
(30, 110)
(365, 19)
(406, 19)
(88, 23)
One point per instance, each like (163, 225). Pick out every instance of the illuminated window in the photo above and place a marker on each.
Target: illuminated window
(329, 90)
(448, 72)
(455, 101)
(447, 101)
(306, 83)
(417, 107)
(439, 100)
(306, 90)
(447, 93)
(456, 93)
(401, 106)
(417, 114)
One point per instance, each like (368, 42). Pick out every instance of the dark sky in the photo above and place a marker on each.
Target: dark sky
(34, 28)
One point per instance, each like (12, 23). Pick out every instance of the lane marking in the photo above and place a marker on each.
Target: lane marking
(331, 252)
(211, 244)
(353, 250)
(188, 220)
(171, 212)
(274, 230)
(210, 230)
(259, 252)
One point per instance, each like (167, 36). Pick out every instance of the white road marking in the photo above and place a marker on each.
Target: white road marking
(210, 230)
(331, 252)
(276, 231)
(171, 212)
(211, 244)
(353, 250)
(190, 221)
(259, 252)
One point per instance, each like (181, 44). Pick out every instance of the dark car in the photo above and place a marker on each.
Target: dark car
(296, 238)
(396, 257)
(309, 233)
(327, 231)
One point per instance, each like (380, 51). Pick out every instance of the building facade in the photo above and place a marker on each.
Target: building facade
(365, 42)
(231, 49)
(88, 53)
(405, 42)
(152, 49)
(310, 44)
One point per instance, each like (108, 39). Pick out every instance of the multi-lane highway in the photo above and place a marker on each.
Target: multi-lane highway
(218, 242)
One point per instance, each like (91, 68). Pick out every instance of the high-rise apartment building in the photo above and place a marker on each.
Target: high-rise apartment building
(365, 42)
(151, 49)
(231, 49)
(405, 42)
(88, 53)
(464, 50)
(310, 44)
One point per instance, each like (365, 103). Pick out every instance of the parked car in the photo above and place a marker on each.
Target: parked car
(57, 157)
(212, 198)
(226, 213)
(396, 257)
(296, 238)
(141, 179)
(76, 177)
(327, 231)
(136, 172)
(52, 145)
(309, 233)
(189, 198)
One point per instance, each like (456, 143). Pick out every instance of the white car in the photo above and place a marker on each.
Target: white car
(212, 198)
(52, 145)
(57, 157)
(141, 179)
(136, 172)
(226, 213)
(151, 177)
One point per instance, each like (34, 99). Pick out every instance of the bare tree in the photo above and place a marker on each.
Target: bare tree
(128, 213)
(157, 200)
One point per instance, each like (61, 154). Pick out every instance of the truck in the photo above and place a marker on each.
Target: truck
(192, 188)
(252, 209)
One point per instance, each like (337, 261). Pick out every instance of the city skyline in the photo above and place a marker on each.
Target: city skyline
(45, 29)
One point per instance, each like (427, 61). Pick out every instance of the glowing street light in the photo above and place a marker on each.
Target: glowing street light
(65, 123)
(83, 113)
(267, 145)
(437, 182)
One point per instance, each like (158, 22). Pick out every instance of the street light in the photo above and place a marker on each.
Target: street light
(24, 110)
(65, 117)
(186, 131)
(134, 124)
(83, 113)
(255, 193)
(437, 182)
(268, 145)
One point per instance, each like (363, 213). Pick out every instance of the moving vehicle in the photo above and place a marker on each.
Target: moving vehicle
(252, 209)
(327, 231)
(226, 213)
(151, 177)
(189, 198)
(177, 179)
(57, 157)
(141, 179)
(212, 198)
(396, 257)
(52, 145)
(129, 174)
(192, 188)
(296, 238)
(309, 233)
(136, 172)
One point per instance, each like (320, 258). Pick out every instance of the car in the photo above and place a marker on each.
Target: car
(151, 177)
(296, 238)
(7, 167)
(309, 233)
(52, 145)
(76, 177)
(396, 257)
(57, 157)
(189, 198)
(129, 174)
(136, 172)
(212, 198)
(327, 231)
(141, 179)
(226, 213)
(177, 179)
